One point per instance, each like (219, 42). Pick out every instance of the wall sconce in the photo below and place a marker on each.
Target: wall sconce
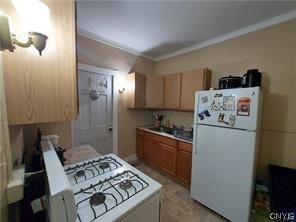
(121, 90)
(34, 16)
(121, 83)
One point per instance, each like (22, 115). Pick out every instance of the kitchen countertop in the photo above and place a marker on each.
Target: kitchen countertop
(146, 128)
(80, 153)
(85, 152)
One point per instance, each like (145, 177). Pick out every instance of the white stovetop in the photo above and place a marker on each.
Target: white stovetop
(121, 210)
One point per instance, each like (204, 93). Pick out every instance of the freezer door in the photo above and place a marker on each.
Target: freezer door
(222, 170)
(232, 108)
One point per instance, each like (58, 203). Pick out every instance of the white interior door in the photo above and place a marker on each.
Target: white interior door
(94, 123)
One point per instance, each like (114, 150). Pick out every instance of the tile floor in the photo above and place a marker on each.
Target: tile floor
(80, 153)
(176, 203)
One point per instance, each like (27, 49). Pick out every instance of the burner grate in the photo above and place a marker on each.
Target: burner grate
(98, 199)
(80, 173)
(125, 184)
(90, 169)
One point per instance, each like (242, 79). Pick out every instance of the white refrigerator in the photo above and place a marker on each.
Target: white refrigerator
(226, 137)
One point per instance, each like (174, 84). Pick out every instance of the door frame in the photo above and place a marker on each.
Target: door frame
(115, 75)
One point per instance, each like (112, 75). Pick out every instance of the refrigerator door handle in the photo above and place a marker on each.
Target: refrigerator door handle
(194, 139)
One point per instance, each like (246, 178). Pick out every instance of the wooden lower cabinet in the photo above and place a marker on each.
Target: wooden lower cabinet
(184, 167)
(151, 152)
(167, 159)
(140, 146)
(170, 156)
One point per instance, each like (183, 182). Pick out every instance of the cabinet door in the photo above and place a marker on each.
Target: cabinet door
(136, 90)
(140, 146)
(154, 91)
(192, 81)
(43, 88)
(151, 152)
(184, 167)
(167, 159)
(172, 91)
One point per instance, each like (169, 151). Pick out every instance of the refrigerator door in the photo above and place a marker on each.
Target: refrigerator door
(231, 108)
(222, 170)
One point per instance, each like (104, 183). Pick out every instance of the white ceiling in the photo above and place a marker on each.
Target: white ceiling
(159, 28)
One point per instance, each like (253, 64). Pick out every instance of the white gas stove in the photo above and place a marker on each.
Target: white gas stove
(105, 188)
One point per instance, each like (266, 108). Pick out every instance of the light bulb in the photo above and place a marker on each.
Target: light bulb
(34, 15)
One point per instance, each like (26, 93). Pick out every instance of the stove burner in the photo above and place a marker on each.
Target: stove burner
(109, 194)
(80, 173)
(125, 184)
(97, 199)
(104, 165)
(91, 168)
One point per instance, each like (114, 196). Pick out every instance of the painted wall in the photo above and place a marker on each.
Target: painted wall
(273, 51)
(63, 129)
(94, 53)
(16, 143)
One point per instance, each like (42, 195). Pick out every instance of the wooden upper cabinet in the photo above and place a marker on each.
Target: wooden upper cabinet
(192, 81)
(172, 87)
(154, 91)
(43, 88)
(136, 91)
(172, 91)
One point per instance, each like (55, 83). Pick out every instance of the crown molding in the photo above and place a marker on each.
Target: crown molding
(88, 34)
(97, 69)
(252, 28)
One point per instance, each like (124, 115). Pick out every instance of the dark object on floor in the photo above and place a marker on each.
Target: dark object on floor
(135, 164)
(283, 189)
(35, 188)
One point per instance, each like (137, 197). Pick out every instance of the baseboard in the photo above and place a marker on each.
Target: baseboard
(131, 158)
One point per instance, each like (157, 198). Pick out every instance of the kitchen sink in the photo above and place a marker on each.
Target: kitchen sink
(178, 133)
(163, 129)
(185, 137)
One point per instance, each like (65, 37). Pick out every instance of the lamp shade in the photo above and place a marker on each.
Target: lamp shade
(34, 15)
